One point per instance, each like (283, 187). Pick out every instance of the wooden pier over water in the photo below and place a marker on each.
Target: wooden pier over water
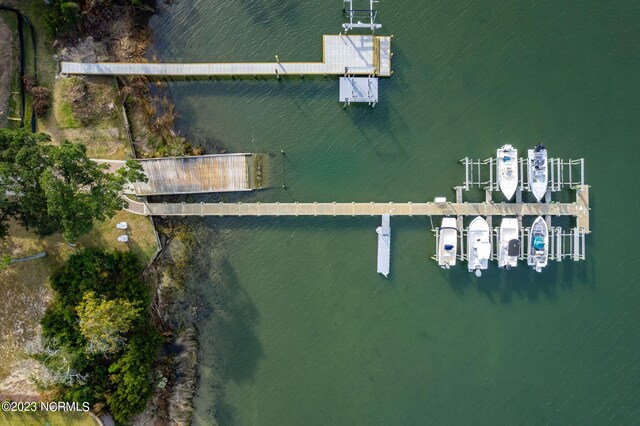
(193, 175)
(578, 209)
(341, 55)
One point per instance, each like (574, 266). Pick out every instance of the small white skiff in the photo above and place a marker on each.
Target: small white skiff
(447, 243)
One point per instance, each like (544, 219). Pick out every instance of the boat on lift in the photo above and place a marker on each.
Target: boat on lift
(447, 243)
(537, 171)
(508, 243)
(538, 244)
(478, 245)
(507, 170)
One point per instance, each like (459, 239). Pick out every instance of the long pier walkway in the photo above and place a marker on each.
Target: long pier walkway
(578, 209)
(342, 54)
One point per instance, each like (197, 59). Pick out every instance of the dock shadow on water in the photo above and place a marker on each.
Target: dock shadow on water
(502, 286)
(226, 327)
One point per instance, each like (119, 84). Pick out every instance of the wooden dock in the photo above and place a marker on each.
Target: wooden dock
(192, 175)
(342, 54)
(579, 209)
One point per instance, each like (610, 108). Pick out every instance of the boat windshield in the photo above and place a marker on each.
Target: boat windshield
(538, 242)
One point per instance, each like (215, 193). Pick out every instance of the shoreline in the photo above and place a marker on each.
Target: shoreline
(149, 120)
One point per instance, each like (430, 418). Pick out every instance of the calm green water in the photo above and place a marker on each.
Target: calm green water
(301, 330)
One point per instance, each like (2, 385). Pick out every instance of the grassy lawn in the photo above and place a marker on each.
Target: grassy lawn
(96, 121)
(42, 419)
(13, 107)
(142, 240)
(34, 11)
(24, 290)
(24, 287)
(86, 110)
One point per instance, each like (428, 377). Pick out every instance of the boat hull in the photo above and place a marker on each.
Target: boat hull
(508, 243)
(447, 249)
(538, 247)
(507, 170)
(537, 171)
(478, 244)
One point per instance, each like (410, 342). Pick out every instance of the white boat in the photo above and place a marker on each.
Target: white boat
(537, 171)
(447, 243)
(538, 244)
(507, 170)
(478, 245)
(508, 243)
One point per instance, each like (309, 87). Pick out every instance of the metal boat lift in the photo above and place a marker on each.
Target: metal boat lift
(562, 244)
(358, 17)
(562, 174)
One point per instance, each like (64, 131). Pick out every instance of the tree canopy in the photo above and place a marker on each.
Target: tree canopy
(105, 323)
(52, 188)
(100, 345)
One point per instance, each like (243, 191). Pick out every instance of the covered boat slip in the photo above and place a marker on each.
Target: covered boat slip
(342, 54)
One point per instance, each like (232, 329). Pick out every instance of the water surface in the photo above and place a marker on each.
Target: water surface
(302, 330)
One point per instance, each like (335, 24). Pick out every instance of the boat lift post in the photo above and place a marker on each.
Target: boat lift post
(565, 173)
(462, 253)
(494, 247)
(551, 250)
(521, 257)
(524, 183)
(357, 16)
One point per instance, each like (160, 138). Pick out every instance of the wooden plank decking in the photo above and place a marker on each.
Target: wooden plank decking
(352, 54)
(191, 175)
(579, 209)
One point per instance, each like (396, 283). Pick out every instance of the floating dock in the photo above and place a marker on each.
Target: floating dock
(384, 245)
(358, 89)
(341, 55)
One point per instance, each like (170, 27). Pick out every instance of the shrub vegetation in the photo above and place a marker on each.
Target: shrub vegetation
(98, 342)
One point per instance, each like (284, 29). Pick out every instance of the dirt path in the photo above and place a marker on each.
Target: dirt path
(6, 70)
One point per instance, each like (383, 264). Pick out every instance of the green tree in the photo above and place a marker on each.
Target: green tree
(105, 323)
(57, 188)
(132, 376)
(79, 191)
(22, 162)
(92, 287)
